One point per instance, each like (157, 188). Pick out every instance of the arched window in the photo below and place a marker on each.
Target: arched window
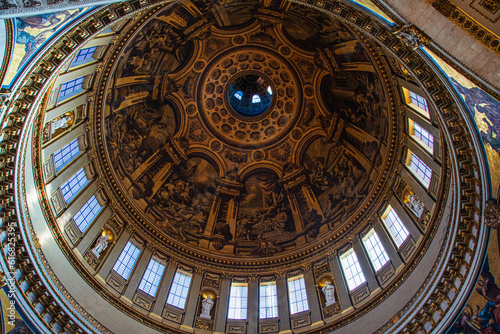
(269, 90)
(238, 95)
(255, 98)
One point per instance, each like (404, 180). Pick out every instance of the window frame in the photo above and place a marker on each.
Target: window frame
(175, 284)
(358, 278)
(78, 178)
(67, 154)
(237, 301)
(301, 292)
(151, 278)
(419, 169)
(87, 220)
(271, 307)
(411, 96)
(420, 135)
(75, 88)
(130, 265)
(371, 250)
(87, 55)
(389, 227)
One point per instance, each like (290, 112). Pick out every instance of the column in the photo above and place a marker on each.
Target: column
(306, 211)
(417, 188)
(253, 306)
(66, 106)
(386, 241)
(424, 156)
(220, 323)
(283, 305)
(312, 297)
(405, 218)
(138, 271)
(223, 214)
(191, 302)
(77, 203)
(340, 284)
(66, 173)
(94, 229)
(115, 253)
(63, 140)
(164, 287)
(364, 263)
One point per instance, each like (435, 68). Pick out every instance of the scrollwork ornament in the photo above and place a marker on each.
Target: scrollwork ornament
(492, 214)
(411, 36)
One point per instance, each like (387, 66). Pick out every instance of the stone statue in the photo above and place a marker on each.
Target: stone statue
(329, 292)
(206, 307)
(61, 123)
(415, 205)
(100, 245)
(409, 36)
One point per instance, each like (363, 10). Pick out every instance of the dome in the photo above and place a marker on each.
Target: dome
(244, 167)
(250, 95)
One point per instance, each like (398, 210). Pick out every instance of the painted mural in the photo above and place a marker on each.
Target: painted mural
(14, 325)
(373, 8)
(485, 110)
(31, 32)
(481, 314)
(178, 148)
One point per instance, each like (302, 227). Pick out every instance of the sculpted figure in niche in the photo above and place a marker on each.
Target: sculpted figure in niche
(329, 292)
(61, 124)
(415, 205)
(206, 307)
(100, 245)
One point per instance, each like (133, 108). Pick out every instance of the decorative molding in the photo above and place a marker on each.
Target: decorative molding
(468, 24)
(449, 115)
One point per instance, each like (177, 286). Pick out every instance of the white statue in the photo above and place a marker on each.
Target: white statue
(206, 307)
(100, 245)
(61, 123)
(415, 205)
(329, 292)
